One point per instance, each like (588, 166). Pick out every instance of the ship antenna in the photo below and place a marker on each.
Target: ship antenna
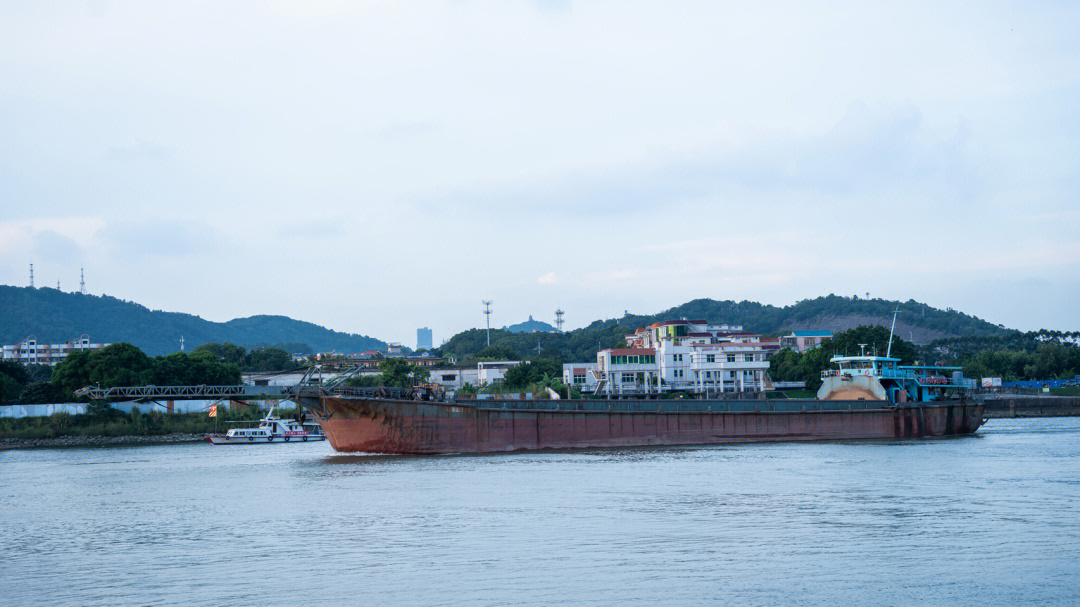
(888, 352)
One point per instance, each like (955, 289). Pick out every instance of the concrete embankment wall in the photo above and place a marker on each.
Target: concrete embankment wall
(178, 406)
(1033, 406)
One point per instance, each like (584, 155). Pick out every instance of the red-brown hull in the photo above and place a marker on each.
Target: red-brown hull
(389, 426)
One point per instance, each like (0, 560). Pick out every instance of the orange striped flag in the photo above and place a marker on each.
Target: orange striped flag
(213, 410)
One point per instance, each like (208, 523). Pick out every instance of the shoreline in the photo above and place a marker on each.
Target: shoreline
(65, 442)
(74, 442)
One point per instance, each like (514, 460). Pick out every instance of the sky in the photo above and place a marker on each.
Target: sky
(375, 167)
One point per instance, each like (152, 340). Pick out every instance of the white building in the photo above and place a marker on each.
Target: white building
(685, 355)
(30, 352)
(582, 376)
(457, 378)
(495, 370)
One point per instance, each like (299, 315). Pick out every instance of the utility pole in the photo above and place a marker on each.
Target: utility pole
(31, 276)
(487, 317)
(558, 319)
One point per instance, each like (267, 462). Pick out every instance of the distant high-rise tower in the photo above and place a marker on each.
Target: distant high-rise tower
(82, 281)
(31, 276)
(487, 315)
(423, 338)
(558, 319)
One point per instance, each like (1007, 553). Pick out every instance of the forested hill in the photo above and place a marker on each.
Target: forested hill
(917, 322)
(55, 316)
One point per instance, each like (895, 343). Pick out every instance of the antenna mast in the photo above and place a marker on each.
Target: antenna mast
(487, 317)
(82, 281)
(558, 319)
(31, 276)
(888, 352)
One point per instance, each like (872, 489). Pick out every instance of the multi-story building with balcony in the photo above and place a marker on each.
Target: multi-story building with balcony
(30, 352)
(801, 341)
(685, 355)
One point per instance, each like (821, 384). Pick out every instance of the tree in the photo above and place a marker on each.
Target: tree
(42, 393)
(398, 373)
(532, 372)
(267, 359)
(498, 352)
(365, 381)
(13, 377)
(227, 352)
(114, 365)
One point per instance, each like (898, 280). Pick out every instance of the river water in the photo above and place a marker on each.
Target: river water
(987, 520)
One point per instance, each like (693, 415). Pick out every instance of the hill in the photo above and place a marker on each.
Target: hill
(529, 326)
(54, 316)
(916, 321)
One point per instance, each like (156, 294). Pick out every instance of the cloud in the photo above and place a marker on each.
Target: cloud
(50, 246)
(314, 229)
(165, 238)
(32, 234)
(548, 279)
(863, 154)
(139, 150)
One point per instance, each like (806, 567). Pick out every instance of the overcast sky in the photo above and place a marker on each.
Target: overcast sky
(379, 166)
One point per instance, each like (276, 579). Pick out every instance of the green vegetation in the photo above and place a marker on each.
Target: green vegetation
(56, 317)
(1016, 357)
(115, 365)
(260, 359)
(103, 420)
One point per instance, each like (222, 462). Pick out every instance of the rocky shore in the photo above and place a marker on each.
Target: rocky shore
(60, 442)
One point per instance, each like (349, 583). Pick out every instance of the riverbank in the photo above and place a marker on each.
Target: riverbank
(63, 442)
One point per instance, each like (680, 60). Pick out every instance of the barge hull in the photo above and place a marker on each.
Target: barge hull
(420, 427)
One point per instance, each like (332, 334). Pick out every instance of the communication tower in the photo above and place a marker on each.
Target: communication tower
(82, 281)
(487, 317)
(558, 319)
(31, 276)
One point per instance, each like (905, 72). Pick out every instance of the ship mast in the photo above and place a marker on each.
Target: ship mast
(888, 352)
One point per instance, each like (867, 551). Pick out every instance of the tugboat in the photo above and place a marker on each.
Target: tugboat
(270, 429)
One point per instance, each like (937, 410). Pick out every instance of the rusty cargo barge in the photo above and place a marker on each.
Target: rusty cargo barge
(357, 423)
(864, 397)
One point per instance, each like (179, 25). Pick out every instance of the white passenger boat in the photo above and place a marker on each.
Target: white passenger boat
(270, 429)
